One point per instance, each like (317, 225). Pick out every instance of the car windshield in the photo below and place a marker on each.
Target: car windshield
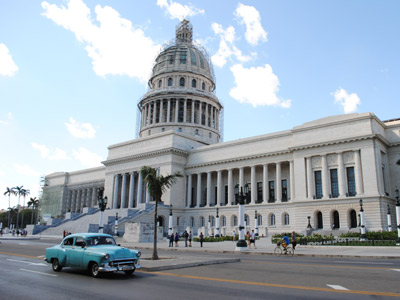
(100, 240)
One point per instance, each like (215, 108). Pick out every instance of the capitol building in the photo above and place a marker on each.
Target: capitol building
(315, 173)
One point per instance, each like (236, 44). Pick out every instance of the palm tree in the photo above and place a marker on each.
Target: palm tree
(157, 185)
(11, 211)
(35, 203)
(19, 191)
(24, 193)
(9, 192)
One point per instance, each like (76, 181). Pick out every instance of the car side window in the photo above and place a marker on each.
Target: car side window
(79, 241)
(68, 242)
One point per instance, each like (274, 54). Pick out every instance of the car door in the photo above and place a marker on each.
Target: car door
(64, 256)
(77, 253)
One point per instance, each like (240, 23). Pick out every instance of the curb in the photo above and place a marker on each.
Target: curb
(188, 265)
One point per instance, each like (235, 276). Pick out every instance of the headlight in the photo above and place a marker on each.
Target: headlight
(107, 256)
(139, 254)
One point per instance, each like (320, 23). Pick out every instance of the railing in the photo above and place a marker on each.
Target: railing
(345, 242)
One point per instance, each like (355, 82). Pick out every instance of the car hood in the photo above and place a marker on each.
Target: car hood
(114, 251)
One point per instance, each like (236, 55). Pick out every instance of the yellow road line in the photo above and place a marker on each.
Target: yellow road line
(314, 265)
(21, 255)
(319, 289)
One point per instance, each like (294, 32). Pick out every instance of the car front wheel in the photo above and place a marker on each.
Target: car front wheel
(129, 272)
(94, 270)
(56, 265)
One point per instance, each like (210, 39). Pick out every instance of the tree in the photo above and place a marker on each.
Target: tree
(157, 185)
(12, 211)
(24, 193)
(19, 191)
(34, 202)
(9, 192)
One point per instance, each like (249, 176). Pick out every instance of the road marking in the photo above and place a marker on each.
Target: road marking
(363, 263)
(40, 256)
(27, 262)
(20, 255)
(398, 270)
(320, 289)
(337, 287)
(37, 272)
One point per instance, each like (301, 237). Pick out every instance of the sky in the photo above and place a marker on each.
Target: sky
(73, 71)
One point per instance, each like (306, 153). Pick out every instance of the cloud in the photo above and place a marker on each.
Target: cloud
(250, 17)
(227, 46)
(26, 170)
(349, 102)
(45, 152)
(87, 158)
(115, 46)
(80, 130)
(257, 86)
(178, 11)
(7, 65)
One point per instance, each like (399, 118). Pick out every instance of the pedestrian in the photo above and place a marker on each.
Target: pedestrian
(171, 240)
(201, 239)
(247, 237)
(294, 242)
(253, 239)
(186, 236)
(234, 236)
(190, 238)
(176, 239)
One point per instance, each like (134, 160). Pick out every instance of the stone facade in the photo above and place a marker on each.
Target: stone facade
(320, 169)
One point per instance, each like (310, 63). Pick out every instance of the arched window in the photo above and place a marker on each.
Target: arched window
(235, 221)
(286, 219)
(203, 86)
(259, 220)
(320, 223)
(272, 220)
(196, 132)
(170, 81)
(209, 135)
(335, 219)
(353, 219)
(182, 81)
(246, 220)
(194, 83)
(177, 221)
(223, 221)
(201, 221)
(212, 221)
(180, 129)
(191, 222)
(159, 83)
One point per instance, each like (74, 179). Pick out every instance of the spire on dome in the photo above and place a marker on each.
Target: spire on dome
(184, 33)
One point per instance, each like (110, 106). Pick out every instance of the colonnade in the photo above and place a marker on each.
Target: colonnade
(79, 198)
(180, 110)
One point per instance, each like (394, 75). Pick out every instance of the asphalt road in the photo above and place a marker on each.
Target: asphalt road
(24, 275)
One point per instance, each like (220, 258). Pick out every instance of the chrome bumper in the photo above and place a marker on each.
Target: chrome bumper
(118, 268)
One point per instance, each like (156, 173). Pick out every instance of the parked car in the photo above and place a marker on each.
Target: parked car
(95, 252)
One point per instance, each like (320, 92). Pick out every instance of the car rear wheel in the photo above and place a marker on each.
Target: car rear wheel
(56, 265)
(129, 272)
(94, 270)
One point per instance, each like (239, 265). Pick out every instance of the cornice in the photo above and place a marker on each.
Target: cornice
(124, 159)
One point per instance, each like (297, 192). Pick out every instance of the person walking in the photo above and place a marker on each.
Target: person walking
(253, 239)
(247, 237)
(201, 239)
(176, 239)
(190, 238)
(171, 240)
(234, 236)
(186, 236)
(294, 242)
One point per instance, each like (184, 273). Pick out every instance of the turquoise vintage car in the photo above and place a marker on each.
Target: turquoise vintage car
(95, 252)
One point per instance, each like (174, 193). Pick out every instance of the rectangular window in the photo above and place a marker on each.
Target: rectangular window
(351, 182)
(259, 192)
(334, 183)
(171, 59)
(284, 190)
(216, 195)
(318, 184)
(271, 197)
(183, 57)
(226, 195)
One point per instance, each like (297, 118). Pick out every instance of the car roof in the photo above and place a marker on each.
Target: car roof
(90, 234)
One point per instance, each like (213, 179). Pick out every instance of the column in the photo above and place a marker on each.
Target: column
(116, 190)
(310, 189)
(265, 183)
(341, 176)
(79, 200)
(206, 122)
(131, 190)
(184, 110)
(253, 185)
(230, 187)
(325, 177)
(291, 171)
(168, 110)
(161, 110)
(192, 120)
(241, 178)
(219, 187)
(208, 189)
(189, 191)
(198, 196)
(200, 112)
(278, 185)
(176, 110)
(140, 189)
(357, 171)
(73, 205)
(94, 198)
(123, 192)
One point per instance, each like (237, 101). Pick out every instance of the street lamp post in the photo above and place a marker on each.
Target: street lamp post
(170, 221)
(363, 236)
(209, 226)
(102, 206)
(396, 192)
(255, 223)
(389, 218)
(116, 224)
(217, 233)
(241, 198)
